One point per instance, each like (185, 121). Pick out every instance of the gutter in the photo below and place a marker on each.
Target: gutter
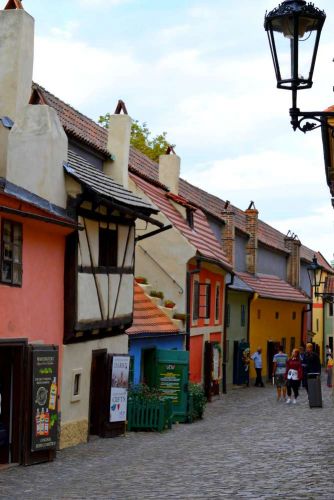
(227, 286)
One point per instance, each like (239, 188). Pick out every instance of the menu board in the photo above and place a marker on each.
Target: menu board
(170, 378)
(119, 388)
(44, 399)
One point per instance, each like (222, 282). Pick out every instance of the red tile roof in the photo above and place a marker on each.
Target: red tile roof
(200, 236)
(86, 130)
(272, 287)
(147, 317)
(329, 285)
(323, 263)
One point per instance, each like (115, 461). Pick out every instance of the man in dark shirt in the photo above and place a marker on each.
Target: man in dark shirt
(311, 361)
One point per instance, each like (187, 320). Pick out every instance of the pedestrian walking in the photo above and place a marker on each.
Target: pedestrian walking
(279, 369)
(328, 352)
(294, 374)
(246, 363)
(329, 371)
(257, 358)
(312, 362)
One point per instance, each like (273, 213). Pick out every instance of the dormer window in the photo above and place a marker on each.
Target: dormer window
(108, 242)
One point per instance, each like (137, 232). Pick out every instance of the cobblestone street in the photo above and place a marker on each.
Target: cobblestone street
(248, 446)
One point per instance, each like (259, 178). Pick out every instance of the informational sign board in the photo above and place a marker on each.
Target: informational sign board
(44, 399)
(119, 388)
(170, 379)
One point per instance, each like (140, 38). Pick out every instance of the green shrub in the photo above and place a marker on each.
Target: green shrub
(156, 293)
(199, 400)
(143, 392)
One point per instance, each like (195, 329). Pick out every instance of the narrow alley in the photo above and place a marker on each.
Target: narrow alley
(247, 446)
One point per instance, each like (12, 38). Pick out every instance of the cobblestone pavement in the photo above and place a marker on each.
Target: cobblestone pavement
(248, 446)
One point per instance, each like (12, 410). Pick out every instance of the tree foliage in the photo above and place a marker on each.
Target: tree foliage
(141, 138)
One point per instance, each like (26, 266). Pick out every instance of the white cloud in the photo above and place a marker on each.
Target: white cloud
(67, 32)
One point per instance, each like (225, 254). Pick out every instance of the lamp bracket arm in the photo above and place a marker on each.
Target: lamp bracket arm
(300, 120)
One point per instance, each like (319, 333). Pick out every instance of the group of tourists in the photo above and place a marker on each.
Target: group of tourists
(290, 373)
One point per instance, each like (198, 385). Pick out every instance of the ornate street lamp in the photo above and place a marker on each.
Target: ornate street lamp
(314, 271)
(294, 30)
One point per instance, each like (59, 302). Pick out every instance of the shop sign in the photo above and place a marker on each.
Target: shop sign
(119, 388)
(44, 399)
(170, 377)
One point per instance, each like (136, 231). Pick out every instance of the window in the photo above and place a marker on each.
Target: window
(11, 252)
(276, 315)
(217, 303)
(207, 296)
(331, 309)
(317, 324)
(76, 384)
(196, 300)
(294, 315)
(243, 315)
(108, 247)
(190, 217)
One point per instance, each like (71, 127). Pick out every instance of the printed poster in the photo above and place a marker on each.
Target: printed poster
(44, 399)
(119, 388)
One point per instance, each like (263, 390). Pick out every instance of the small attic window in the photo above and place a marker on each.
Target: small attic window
(190, 217)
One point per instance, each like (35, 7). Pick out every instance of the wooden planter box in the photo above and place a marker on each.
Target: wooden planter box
(150, 415)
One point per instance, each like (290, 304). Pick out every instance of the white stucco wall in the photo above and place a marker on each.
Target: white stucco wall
(37, 149)
(79, 357)
(171, 250)
(16, 61)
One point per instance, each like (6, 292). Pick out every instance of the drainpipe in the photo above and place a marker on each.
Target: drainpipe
(304, 311)
(227, 286)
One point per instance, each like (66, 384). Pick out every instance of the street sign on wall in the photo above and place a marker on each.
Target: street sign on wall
(44, 399)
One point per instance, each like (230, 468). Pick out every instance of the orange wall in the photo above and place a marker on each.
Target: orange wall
(214, 278)
(36, 310)
(196, 358)
(216, 337)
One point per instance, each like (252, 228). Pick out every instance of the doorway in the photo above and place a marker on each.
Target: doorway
(11, 402)
(97, 391)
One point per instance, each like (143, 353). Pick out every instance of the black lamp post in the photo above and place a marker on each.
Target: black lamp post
(294, 30)
(314, 271)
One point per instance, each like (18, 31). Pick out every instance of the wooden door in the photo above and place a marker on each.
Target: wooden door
(97, 391)
(208, 369)
(6, 403)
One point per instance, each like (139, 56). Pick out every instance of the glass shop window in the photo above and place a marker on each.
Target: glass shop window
(11, 252)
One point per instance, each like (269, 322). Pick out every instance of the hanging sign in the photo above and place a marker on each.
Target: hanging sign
(119, 388)
(44, 399)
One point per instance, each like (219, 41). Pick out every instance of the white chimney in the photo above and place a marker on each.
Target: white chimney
(37, 149)
(119, 134)
(16, 61)
(169, 171)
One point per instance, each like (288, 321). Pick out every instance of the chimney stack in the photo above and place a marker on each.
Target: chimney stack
(169, 170)
(16, 59)
(228, 233)
(119, 135)
(293, 266)
(37, 149)
(252, 229)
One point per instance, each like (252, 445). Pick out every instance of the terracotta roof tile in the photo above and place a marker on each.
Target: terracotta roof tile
(147, 317)
(329, 285)
(200, 236)
(272, 287)
(323, 263)
(86, 130)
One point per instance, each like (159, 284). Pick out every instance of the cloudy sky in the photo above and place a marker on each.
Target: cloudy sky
(200, 70)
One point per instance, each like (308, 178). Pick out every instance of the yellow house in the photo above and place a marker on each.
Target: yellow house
(276, 316)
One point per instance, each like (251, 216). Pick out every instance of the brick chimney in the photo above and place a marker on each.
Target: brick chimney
(293, 244)
(228, 233)
(16, 65)
(169, 170)
(119, 134)
(252, 229)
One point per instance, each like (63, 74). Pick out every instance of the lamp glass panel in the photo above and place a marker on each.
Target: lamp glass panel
(283, 51)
